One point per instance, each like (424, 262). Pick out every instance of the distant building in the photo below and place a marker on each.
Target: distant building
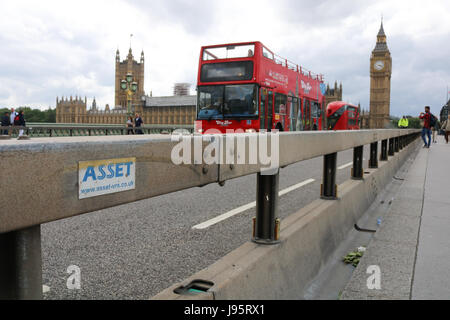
(177, 109)
(364, 119)
(334, 94)
(444, 112)
(380, 83)
(69, 110)
(170, 110)
(136, 70)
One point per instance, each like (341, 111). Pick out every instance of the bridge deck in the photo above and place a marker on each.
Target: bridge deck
(412, 246)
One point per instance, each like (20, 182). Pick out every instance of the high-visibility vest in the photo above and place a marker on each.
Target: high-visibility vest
(403, 123)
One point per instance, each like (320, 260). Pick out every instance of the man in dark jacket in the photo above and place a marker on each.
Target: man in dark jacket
(5, 122)
(20, 122)
(137, 123)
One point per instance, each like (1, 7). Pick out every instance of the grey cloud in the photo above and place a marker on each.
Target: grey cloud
(316, 13)
(196, 17)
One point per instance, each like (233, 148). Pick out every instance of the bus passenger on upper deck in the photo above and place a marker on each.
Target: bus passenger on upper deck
(250, 53)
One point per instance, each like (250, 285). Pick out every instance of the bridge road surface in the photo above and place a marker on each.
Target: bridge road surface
(136, 250)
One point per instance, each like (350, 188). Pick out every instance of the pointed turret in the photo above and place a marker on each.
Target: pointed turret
(117, 55)
(142, 56)
(94, 105)
(381, 40)
(381, 32)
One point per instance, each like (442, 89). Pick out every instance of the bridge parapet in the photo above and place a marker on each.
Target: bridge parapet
(45, 180)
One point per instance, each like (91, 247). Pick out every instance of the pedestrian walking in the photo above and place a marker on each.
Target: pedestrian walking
(434, 128)
(12, 116)
(19, 120)
(130, 125)
(446, 127)
(6, 122)
(426, 130)
(138, 122)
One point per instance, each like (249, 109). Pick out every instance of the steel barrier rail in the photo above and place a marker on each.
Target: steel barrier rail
(47, 169)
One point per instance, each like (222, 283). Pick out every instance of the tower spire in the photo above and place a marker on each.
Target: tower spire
(381, 39)
(381, 32)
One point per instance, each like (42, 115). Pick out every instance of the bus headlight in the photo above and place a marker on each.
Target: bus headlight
(250, 130)
(199, 130)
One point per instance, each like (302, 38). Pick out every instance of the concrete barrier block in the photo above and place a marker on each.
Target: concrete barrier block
(308, 239)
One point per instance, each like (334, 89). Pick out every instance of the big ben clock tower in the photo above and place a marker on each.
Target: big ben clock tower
(380, 83)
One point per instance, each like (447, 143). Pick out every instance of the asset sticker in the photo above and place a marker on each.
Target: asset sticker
(99, 177)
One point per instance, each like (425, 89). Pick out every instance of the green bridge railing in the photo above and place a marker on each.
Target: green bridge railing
(70, 129)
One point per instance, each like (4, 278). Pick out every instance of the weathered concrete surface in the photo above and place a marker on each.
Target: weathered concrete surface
(42, 175)
(432, 269)
(394, 246)
(45, 182)
(335, 275)
(309, 238)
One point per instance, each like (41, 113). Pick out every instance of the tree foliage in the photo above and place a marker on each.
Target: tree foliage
(35, 115)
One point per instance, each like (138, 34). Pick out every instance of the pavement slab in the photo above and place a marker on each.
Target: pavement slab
(412, 246)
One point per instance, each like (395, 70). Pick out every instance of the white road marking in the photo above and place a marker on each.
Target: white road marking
(346, 165)
(243, 208)
(45, 289)
(295, 186)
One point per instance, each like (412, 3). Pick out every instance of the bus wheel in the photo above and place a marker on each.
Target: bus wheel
(279, 127)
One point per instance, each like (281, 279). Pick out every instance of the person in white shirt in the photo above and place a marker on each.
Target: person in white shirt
(12, 116)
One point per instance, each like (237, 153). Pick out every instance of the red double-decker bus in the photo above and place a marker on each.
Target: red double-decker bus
(342, 116)
(246, 86)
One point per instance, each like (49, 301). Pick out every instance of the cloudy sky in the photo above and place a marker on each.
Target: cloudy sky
(62, 48)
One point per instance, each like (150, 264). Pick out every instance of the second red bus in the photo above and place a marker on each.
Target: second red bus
(342, 116)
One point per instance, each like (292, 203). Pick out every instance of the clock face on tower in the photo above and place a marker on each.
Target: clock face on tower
(378, 65)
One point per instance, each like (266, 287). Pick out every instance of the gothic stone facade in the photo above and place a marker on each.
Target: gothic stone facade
(380, 83)
(129, 66)
(74, 110)
(157, 110)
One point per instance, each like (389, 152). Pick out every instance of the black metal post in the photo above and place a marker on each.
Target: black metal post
(358, 170)
(373, 161)
(21, 264)
(329, 188)
(396, 144)
(384, 151)
(391, 147)
(266, 224)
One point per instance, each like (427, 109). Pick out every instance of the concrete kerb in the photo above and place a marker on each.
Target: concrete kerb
(309, 238)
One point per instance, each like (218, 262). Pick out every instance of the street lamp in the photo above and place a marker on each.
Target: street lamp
(131, 87)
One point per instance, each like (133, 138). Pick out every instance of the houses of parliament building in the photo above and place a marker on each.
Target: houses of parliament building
(176, 109)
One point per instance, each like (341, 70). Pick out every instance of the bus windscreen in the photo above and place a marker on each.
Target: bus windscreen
(230, 101)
